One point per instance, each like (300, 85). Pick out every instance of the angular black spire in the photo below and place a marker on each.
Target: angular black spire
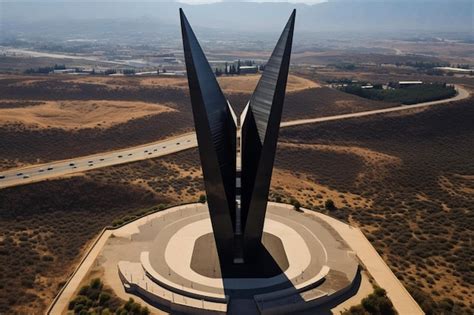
(216, 135)
(260, 128)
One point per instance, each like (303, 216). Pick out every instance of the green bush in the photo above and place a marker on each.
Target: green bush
(408, 95)
(356, 310)
(93, 300)
(117, 222)
(103, 298)
(329, 204)
(296, 204)
(377, 303)
(202, 198)
(133, 308)
(79, 302)
(96, 283)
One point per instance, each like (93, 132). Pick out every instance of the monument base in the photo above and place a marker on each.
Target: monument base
(303, 263)
(268, 262)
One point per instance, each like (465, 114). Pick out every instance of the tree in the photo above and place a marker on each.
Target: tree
(297, 205)
(238, 66)
(226, 70)
(356, 310)
(329, 204)
(96, 283)
(377, 303)
(128, 71)
(103, 298)
(202, 198)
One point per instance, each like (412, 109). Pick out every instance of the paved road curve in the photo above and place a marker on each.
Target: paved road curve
(55, 169)
(36, 173)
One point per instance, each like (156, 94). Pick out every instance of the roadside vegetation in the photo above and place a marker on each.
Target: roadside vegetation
(406, 95)
(94, 298)
(376, 303)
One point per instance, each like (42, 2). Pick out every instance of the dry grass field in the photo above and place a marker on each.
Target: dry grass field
(45, 227)
(412, 179)
(229, 84)
(247, 84)
(44, 118)
(73, 115)
(406, 180)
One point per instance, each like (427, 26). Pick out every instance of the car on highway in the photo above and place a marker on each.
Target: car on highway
(146, 151)
(50, 168)
(130, 154)
(26, 176)
(120, 156)
(155, 150)
(71, 164)
(41, 170)
(2, 176)
(90, 162)
(177, 143)
(164, 147)
(19, 174)
(101, 159)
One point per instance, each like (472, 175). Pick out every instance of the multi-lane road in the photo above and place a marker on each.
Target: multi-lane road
(35, 173)
(54, 169)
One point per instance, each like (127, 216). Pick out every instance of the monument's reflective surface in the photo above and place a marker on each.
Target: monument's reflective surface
(237, 226)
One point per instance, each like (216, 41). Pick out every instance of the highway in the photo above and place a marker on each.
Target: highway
(36, 173)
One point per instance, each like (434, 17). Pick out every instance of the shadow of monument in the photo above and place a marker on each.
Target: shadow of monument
(325, 309)
(247, 301)
(262, 275)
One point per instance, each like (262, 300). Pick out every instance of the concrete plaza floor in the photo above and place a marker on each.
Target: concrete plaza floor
(130, 241)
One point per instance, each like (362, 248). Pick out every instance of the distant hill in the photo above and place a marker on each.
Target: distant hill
(335, 15)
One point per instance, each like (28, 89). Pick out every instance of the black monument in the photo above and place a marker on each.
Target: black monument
(237, 195)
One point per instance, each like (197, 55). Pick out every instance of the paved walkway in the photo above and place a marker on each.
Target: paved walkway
(354, 238)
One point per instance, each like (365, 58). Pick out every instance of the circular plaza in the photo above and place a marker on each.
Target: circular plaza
(171, 262)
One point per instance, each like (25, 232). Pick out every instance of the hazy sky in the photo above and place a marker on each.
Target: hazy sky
(213, 1)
